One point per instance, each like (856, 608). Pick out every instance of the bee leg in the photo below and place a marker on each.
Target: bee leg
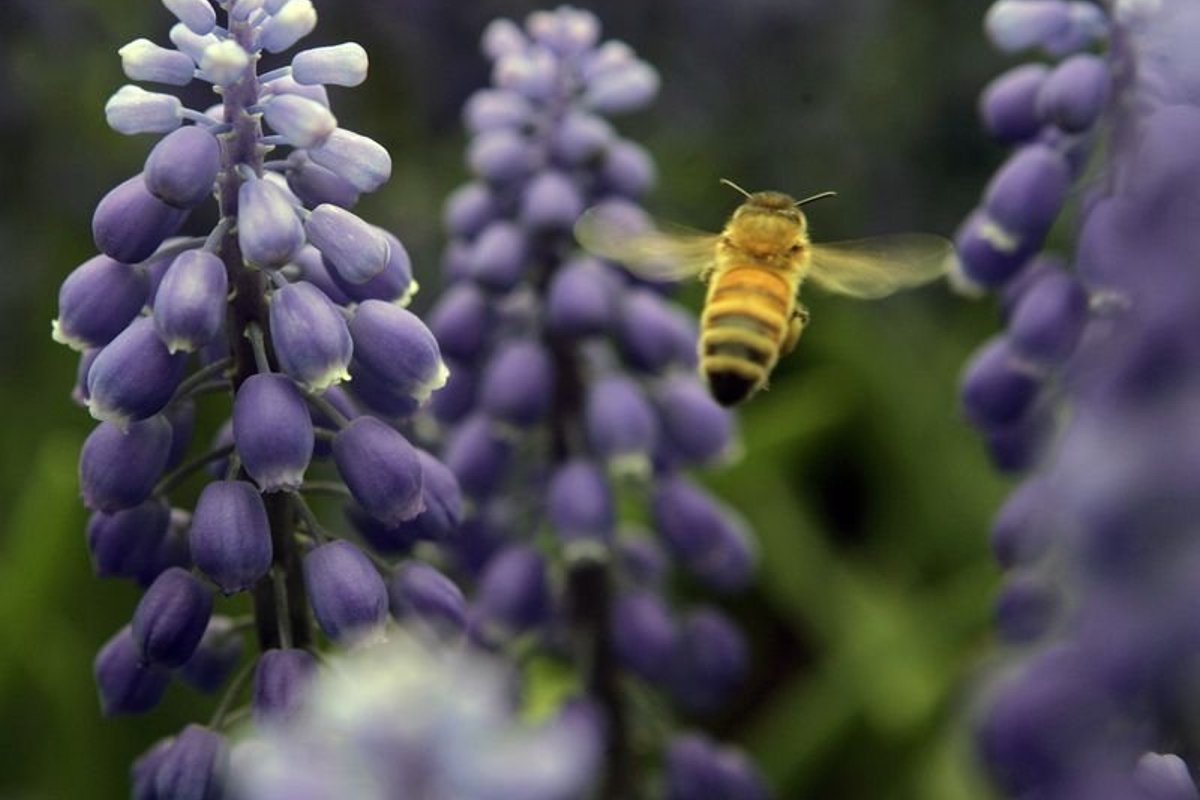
(796, 326)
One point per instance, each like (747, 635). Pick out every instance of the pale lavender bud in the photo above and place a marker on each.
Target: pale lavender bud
(1014, 25)
(1164, 776)
(269, 231)
(97, 301)
(130, 223)
(194, 766)
(341, 65)
(198, 15)
(134, 376)
(381, 469)
(395, 346)
(302, 122)
(517, 386)
(611, 56)
(501, 155)
(355, 250)
(314, 184)
(580, 503)
(499, 256)
(628, 169)
(191, 43)
(183, 166)
(620, 90)
(551, 200)
(349, 598)
(620, 422)
(288, 85)
(579, 137)
(501, 37)
(143, 60)
(361, 161)
(122, 543)
(468, 209)
(294, 20)
(566, 31)
(417, 591)
(488, 109)
(133, 110)
(394, 284)
(189, 307)
(230, 536)
(311, 339)
(127, 684)
(273, 432)
(280, 681)
(532, 71)
(513, 593)
(216, 656)
(477, 455)
(171, 618)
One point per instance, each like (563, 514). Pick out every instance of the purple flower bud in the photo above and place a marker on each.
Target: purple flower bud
(192, 43)
(518, 383)
(695, 426)
(696, 769)
(394, 284)
(644, 561)
(130, 223)
(478, 456)
(710, 660)
(301, 122)
(489, 109)
(381, 469)
(1026, 609)
(388, 540)
(1008, 104)
(580, 503)
(166, 551)
(551, 201)
(134, 376)
(189, 307)
(501, 155)
(1027, 192)
(628, 169)
(127, 684)
(273, 431)
(215, 658)
(620, 423)
(581, 298)
(123, 542)
(653, 333)
(456, 399)
(1019, 533)
(291, 23)
(133, 110)
(1075, 94)
(644, 634)
(361, 161)
(312, 268)
(532, 71)
(230, 536)
(194, 766)
(456, 261)
(468, 209)
(566, 31)
(145, 768)
(269, 231)
(348, 597)
(513, 593)
(622, 90)
(341, 65)
(1048, 319)
(417, 591)
(501, 37)
(171, 618)
(1164, 777)
(118, 468)
(288, 85)
(183, 166)
(396, 346)
(310, 336)
(459, 321)
(702, 535)
(224, 63)
(280, 681)
(97, 301)
(996, 388)
(580, 137)
(314, 184)
(197, 15)
(1014, 25)
(143, 60)
(355, 250)
(498, 256)
(442, 500)
(988, 254)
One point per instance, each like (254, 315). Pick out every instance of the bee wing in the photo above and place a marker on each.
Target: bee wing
(881, 265)
(652, 251)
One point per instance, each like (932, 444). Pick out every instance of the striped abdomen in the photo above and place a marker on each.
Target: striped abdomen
(742, 330)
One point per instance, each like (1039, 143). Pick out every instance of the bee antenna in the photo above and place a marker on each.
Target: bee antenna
(820, 196)
(733, 185)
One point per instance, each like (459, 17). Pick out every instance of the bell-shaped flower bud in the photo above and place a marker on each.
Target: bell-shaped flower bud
(313, 269)
(1048, 319)
(460, 321)
(118, 468)
(550, 201)
(695, 768)
(348, 596)
(145, 768)
(501, 37)
(363, 162)
(513, 594)
(381, 469)
(499, 256)
(418, 592)
(501, 156)
(580, 503)
(441, 516)
(133, 110)
(1027, 192)
(566, 31)
(710, 660)
(134, 376)
(130, 223)
(395, 346)
(198, 15)
(230, 537)
(273, 431)
(280, 681)
(311, 339)
(123, 542)
(468, 209)
(97, 301)
(643, 561)
(171, 618)
(194, 766)
(532, 71)
(628, 169)
(192, 43)
(291, 23)
(143, 60)
(302, 122)
(644, 634)
(581, 298)
(225, 62)
(269, 231)
(477, 455)
(127, 684)
(1075, 93)
(621, 90)
(697, 429)
(167, 551)
(988, 254)
(354, 249)
(340, 65)
(1014, 25)
(580, 137)
(490, 109)
(394, 284)
(1008, 105)
(182, 168)
(620, 423)
(652, 333)
(216, 657)
(189, 307)
(314, 184)
(518, 383)
(705, 537)
(997, 388)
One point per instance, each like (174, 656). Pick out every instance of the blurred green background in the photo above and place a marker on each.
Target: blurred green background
(869, 494)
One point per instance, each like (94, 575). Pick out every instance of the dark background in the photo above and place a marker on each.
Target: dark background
(868, 493)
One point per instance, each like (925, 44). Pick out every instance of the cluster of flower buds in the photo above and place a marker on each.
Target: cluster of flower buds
(1099, 540)
(573, 385)
(288, 296)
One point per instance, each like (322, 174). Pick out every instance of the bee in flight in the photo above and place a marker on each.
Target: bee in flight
(754, 269)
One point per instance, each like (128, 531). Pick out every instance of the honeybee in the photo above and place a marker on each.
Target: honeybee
(754, 268)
